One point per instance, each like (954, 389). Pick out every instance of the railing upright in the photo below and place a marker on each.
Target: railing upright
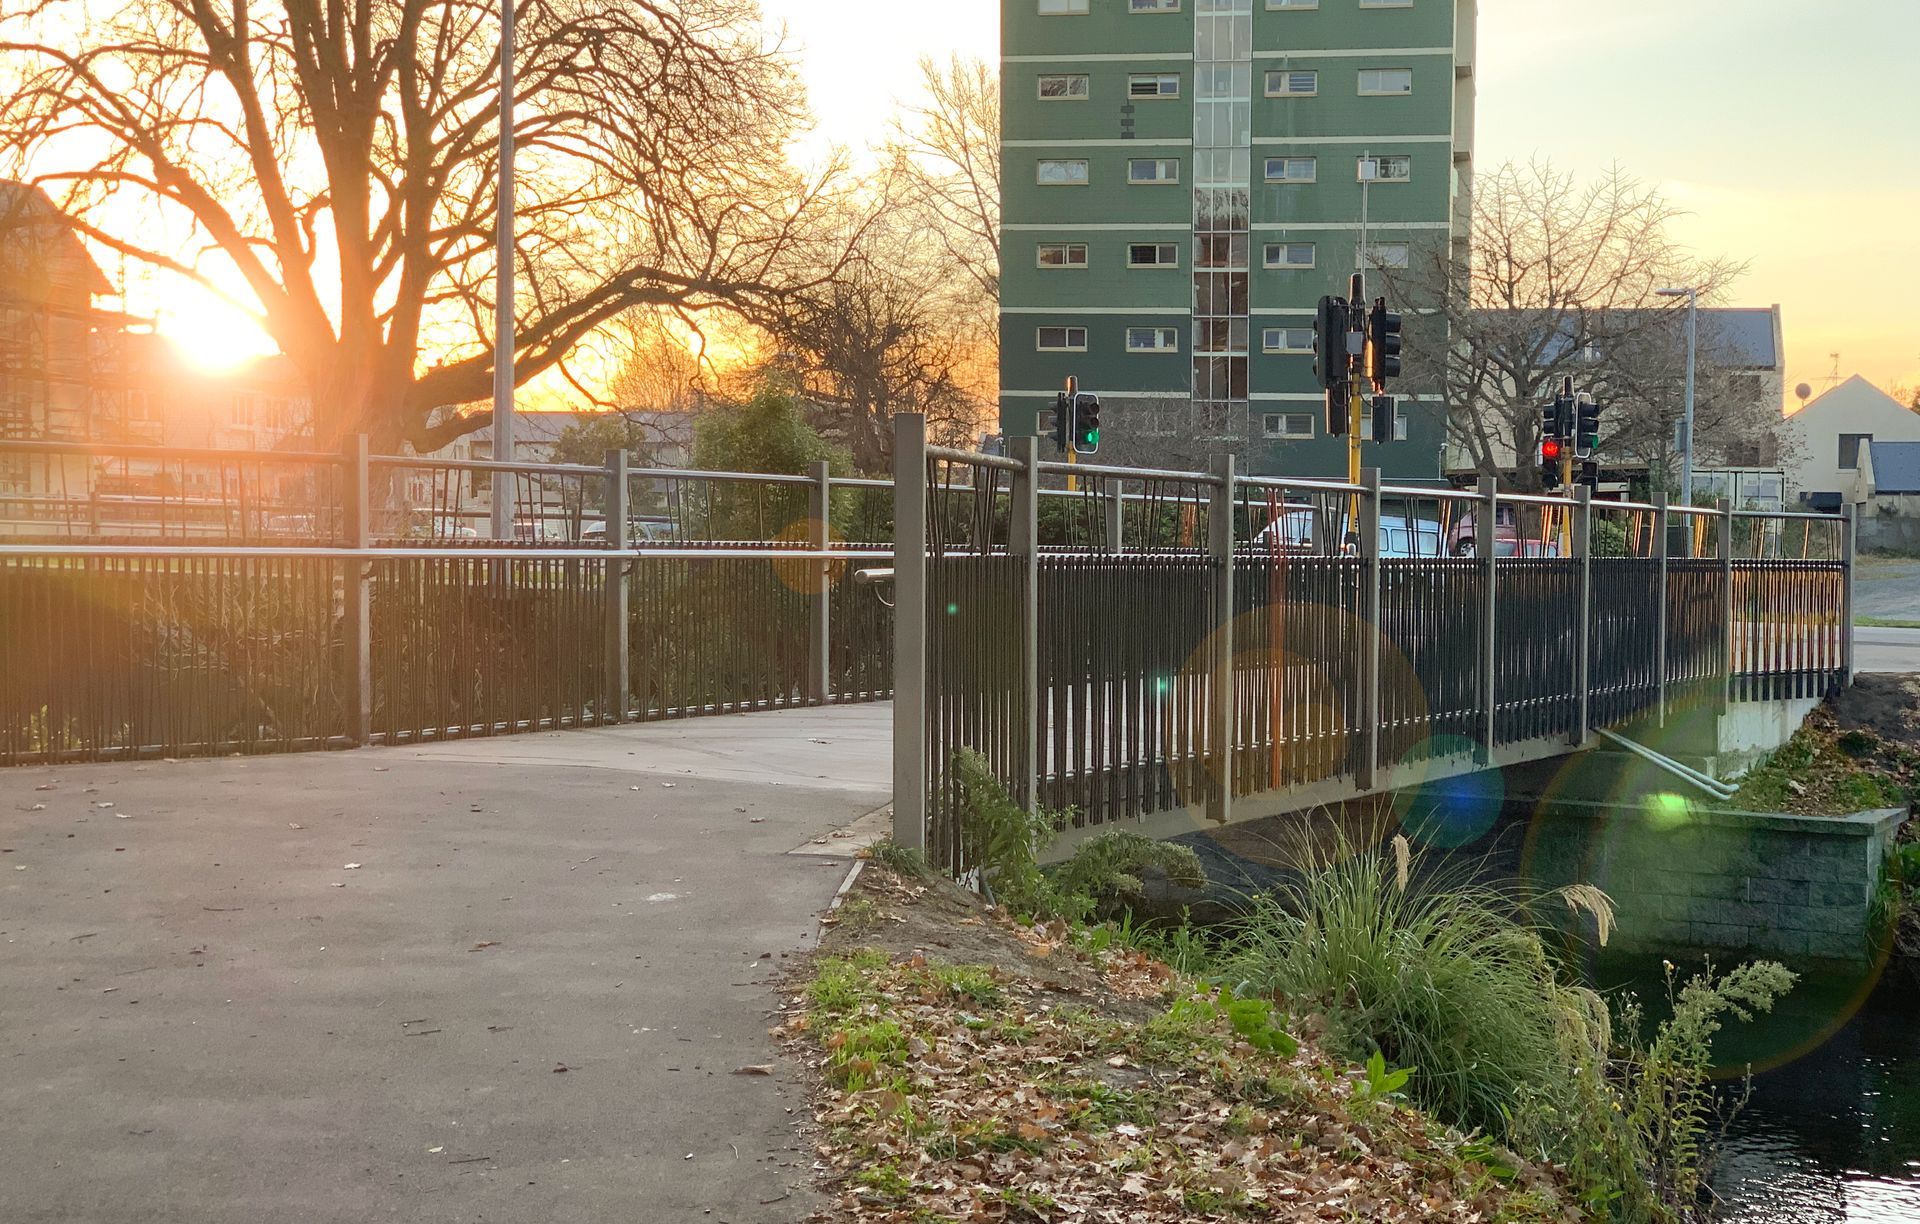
(358, 595)
(1662, 546)
(1726, 601)
(1221, 730)
(1114, 514)
(1023, 541)
(1485, 519)
(910, 631)
(820, 586)
(1849, 544)
(1370, 637)
(617, 592)
(1583, 647)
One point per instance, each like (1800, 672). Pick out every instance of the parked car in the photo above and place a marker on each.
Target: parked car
(1300, 529)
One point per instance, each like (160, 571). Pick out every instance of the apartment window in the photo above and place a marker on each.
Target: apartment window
(1063, 255)
(1064, 87)
(1293, 4)
(1153, 85)
(1385, 82)
(1153, 340)
(1286, 340)
(1069, 172)
(1290, 255)
(1062, 8)
(1400, 423)
(1292, 83)
(1376, 4)
(1061, 340)
(1154, 6)
(1397, 169)
(1153, 255)
(1850, 445)
(1292, 169)
(1153, 170)
(1287, 425)
(1388, 255)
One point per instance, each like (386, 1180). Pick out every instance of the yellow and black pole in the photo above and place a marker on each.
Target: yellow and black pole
(1356, 394)
(1072, 431)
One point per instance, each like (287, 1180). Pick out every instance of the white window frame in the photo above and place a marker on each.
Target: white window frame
(1158, 248)
(1380, 161)
(1067, 249)
(1160, 81)
(1285, 76)
(1401, 433)
(1159, 164)
(1267, 260)
(1064, 8)
(1379, 92)
(1040, 176)
(1292, 6)
(1153, 6)
(1366, 4)
(1369, 257)
(1313, 168)
(1085, 82)
(1066, 345)
(1276, 340)
(1165, 339)
(1280, 425)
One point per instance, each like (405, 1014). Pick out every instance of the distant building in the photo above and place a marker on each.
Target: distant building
(1834, 433)
(1886, 496)
(1183, 184)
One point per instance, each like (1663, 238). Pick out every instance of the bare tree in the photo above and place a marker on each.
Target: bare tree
(341, 158)
(1561, 281)
(946, 154)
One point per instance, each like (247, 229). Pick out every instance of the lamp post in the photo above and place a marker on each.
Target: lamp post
(1692, 295)
(503, 324)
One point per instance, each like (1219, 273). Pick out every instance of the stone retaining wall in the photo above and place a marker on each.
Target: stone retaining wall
(1685, 879)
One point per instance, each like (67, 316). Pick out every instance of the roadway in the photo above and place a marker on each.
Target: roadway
(1886, 650)
(504, 979)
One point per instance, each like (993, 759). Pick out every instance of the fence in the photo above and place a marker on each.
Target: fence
(359, 604)
(1168, 645)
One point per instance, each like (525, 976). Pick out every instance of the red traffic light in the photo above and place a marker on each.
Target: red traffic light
(1550, 448)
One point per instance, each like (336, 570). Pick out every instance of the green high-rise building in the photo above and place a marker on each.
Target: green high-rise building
(1183, 181)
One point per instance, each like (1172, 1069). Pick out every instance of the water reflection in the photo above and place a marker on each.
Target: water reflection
(1834, 1135)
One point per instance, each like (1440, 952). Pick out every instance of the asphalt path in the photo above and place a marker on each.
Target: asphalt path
(1886, 650)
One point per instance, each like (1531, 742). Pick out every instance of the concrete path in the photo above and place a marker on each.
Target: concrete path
(525, 1003)
(1886, 650)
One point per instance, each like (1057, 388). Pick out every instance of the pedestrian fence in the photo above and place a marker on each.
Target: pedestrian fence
(161, 602)
(1188, 648)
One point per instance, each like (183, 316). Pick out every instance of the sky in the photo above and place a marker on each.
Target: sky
(1786, 129)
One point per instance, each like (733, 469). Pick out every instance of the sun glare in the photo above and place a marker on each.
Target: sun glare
(214, 336)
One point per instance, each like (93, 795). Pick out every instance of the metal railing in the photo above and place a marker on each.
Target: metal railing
(348, 617)
(1177, 649)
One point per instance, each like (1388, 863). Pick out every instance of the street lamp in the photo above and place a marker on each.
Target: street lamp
(1693, 351)
(503, 325)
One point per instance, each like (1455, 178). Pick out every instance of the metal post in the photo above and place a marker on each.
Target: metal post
(1220, 552)
(910, 631)
(503, 321)
(1115, 507)
(1693, 358)
(820, 586)
(1726, 598)
(1661, 547)
(1023, 541)
(1849, 544)
(1485, 518)
(614, 512)
(1583, 645)
(1371, 631)
(359, 593)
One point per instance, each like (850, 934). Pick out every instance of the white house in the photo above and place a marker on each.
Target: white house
(1834, 432)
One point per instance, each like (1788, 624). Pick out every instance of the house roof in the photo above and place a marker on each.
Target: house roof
(1896, 467)
(33, 233)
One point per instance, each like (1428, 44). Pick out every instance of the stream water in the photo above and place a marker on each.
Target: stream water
(1832, 1130)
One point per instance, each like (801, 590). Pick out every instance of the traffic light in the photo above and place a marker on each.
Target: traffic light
(1550, 453)
(1554, 425)
(1330, 362)
(1385, 413)
(1086, 422)
(1590, 475)
(1062, 420)
(1586, 437)
(1383, 344)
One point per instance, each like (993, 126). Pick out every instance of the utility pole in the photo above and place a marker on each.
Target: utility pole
(1692, 294)
(503, 322)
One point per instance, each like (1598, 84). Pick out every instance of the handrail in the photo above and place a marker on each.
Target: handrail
(1055, 468)
(190, 454)
(978, 460)
(327, 553)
